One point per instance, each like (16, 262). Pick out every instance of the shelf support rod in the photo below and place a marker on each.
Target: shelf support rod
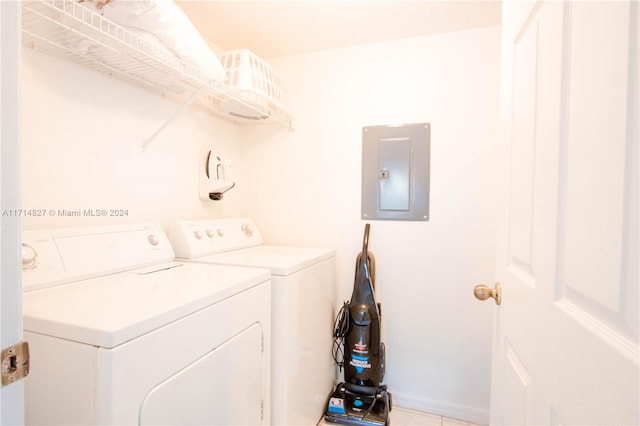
(173, 116)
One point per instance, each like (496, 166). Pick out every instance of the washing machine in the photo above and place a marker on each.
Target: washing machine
(303, 307)
(119, 333)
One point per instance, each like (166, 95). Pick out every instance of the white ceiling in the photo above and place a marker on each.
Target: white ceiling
(273, 28)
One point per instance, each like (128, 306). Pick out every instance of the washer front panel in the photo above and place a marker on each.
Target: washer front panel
(221, 388)
(74, 383)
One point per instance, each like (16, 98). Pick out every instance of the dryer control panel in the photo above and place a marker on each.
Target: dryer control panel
(196, 238)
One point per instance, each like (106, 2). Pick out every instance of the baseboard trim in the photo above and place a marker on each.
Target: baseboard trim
(440, 408)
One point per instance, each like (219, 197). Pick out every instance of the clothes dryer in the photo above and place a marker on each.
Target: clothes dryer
(303, 308)
(119, 333)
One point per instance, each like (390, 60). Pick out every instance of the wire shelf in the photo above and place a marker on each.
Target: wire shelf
(68, 30)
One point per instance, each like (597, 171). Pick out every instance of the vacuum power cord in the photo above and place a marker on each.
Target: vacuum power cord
(340, 331)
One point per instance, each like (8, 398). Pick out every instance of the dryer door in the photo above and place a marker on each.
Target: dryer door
(224, 387)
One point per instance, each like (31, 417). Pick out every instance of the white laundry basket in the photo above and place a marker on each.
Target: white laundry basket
(255, 88)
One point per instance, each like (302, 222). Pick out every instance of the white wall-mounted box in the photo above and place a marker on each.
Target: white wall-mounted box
(395, 172)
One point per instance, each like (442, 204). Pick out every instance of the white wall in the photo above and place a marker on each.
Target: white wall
(81, 149)
(305, 190)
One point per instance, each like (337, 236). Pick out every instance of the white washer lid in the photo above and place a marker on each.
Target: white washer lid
(281, 260)
(110, 310)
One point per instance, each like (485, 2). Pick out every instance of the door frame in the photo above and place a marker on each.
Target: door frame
(11, 396)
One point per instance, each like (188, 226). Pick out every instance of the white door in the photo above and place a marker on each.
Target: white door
(566, 333)
(11, 396)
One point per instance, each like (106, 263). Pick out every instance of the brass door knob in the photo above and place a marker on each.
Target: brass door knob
(482, 292)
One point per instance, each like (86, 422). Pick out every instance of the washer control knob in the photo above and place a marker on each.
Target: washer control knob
(210, 233)
(153, 239)
(220, 232)
(198, 234)
(29, 257)
(246, 229)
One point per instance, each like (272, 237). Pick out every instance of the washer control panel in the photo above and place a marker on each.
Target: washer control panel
(196, 238)
(57, 256)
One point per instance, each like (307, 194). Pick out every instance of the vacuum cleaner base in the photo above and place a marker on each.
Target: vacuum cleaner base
(348, 408)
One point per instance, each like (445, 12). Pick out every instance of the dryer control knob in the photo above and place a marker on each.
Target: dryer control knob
(220, 232)
(246, 228)
(29, 257)
(198, 234)
(210, 233)
(153, 240)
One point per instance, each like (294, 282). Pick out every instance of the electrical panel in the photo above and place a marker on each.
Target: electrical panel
(395, 172)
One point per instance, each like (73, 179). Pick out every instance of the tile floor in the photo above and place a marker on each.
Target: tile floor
(404, 417)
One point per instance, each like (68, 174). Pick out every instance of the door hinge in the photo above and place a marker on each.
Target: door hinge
(15, 363)
(262, 409)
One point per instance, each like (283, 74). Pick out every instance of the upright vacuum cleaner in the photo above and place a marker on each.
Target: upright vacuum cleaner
(361, 399)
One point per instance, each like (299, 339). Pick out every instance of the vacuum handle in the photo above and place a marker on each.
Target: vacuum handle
(365, 239)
